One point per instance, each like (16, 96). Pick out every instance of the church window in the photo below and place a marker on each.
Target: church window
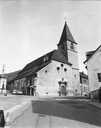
(62, 79)
(72, 46)
(62, 65)
(99, 77)
(76, 90)
(75, 75)
(35, 74)
(58, 68)
(45, 71)
(65, 69)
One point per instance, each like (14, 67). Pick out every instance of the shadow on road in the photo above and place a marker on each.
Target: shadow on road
(74, 110)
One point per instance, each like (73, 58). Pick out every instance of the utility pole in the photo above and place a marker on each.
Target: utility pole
(3, 69)
(4, 80)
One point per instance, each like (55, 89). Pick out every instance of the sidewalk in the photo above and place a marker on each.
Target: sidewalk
(9, 101)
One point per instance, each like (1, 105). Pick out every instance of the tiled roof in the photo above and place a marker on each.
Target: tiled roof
(31, 71)
(66, 35)
(10, 76)
(59, 56)
(38, 64)
(35, 65)
(91, 53)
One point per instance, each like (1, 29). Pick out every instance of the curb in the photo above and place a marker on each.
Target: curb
(12, 114)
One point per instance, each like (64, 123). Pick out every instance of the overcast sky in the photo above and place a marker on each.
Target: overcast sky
(31, 28)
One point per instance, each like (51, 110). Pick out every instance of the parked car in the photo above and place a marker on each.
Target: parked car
(14, 92)
(17, 92)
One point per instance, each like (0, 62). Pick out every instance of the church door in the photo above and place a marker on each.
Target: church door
(62, 88)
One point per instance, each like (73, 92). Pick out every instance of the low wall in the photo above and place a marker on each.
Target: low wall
(12, 114)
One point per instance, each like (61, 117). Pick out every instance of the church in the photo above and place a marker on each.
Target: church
(55, 73)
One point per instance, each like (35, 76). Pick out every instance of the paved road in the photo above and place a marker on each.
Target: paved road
(79, 111)
(60, 114)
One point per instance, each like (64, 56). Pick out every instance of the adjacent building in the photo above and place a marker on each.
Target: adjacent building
(7, 81)
(55, 73)
(10, 77)
(84, 84)
(93, 64)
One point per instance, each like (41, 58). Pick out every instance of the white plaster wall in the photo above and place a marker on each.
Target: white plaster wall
(72, 55)
(48, 82)
(73, 59)
(94, 67)
(76, 81)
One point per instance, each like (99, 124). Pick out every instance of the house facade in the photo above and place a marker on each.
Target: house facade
(10, 80)
(93, 63)
(55, 73)
(7, 81)
(84, 84)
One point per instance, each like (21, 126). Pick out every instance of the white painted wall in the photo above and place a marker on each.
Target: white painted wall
(94, 67)
(48, 82)
(72, 55)
(73, 59)
(76, 81)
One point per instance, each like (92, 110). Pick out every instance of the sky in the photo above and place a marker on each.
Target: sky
(31, 28)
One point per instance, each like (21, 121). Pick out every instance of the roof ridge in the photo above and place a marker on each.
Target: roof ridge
(94, 51)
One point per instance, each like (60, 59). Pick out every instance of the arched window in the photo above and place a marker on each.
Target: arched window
(65, 69)
(58, 68)
(62, 79)
(75, 75)
(45, 71)
(72, 46)
(62, 65)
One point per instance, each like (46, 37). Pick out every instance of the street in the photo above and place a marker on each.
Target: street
(61, 113)
(71, 110)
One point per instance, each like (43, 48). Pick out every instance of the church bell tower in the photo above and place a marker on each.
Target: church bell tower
(68, 47)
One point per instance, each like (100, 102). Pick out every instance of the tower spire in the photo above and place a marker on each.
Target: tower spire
(66, 35)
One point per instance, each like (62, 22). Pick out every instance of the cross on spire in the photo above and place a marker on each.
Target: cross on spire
(65, 18)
